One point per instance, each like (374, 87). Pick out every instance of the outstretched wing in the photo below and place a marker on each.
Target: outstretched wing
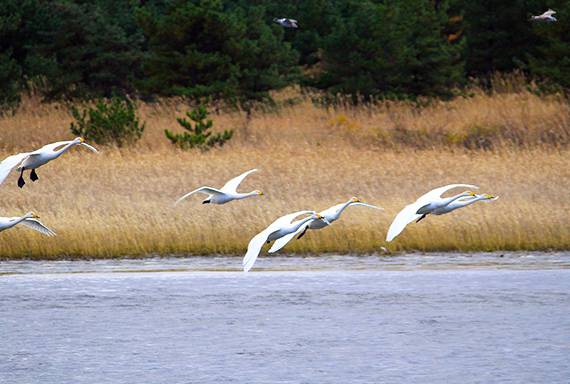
(435, 193)
(282, 241)
(254, 248)
(406, 216)
(231, 186)
(258, 240)
(206, 190)
(287, 219)
(38, 226)
(10, 163)
(549, 13)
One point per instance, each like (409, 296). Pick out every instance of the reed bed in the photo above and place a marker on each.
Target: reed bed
(309, 157)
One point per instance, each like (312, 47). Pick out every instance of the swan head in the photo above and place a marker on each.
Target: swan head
(490, 198)
(32, 215)
(78, 140)
(258, 192)
(354, 200)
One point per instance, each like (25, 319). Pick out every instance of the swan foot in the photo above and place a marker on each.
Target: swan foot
(302, 233)
(421, 217)
(33, 175)
(21, 181)
(205, 201)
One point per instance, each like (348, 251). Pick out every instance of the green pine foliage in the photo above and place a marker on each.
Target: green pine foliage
(390, 50)
(198, 135)
(552, 59)
(108, 123)
(232, 50)
(204, 51)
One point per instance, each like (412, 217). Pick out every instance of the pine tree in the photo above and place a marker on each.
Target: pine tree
(397, 48)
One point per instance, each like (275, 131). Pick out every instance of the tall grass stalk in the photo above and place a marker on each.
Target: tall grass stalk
(309, 157)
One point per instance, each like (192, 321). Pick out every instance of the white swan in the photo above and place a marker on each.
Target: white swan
(331, 214)
(546, 16)
(290, 23)
(29, 220)
(225, 194)
(424, 205)
(276, 230)
(35, 159)
(459, 203)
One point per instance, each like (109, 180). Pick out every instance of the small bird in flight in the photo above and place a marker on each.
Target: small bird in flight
(290, 23)
(546, 16)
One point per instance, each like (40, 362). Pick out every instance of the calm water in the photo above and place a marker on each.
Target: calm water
(482, 318)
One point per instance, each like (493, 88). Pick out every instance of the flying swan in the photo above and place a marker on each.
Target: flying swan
(546, 16)
(225, 194)
(289, 23)
(459, 203)
(427, 203)
(276, 230)
(30, 220)
(33, 160)
(331, 214)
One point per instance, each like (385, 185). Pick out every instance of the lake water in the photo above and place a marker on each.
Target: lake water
(480, 318)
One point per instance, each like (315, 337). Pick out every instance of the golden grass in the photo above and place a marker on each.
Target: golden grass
(121, 203)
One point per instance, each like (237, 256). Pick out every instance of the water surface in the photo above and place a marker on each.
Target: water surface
(480, 318)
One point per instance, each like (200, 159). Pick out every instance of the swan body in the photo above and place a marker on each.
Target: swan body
(29, 220)
(225, 194)
(330, 215)
(276, 230)
(425, 204)
(35, 159)
(289, 23)
(546, 16)
(461, 202)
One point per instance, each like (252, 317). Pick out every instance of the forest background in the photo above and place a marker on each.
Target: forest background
(384, 100)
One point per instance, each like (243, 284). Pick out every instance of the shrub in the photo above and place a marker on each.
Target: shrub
(108, 123)
(197, 135)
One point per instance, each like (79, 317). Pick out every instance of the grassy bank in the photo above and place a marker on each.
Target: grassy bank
(309, 157)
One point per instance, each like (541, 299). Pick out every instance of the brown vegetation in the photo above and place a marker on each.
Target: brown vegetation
(509, 142)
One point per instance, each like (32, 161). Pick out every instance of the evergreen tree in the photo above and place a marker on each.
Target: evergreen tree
(201, 50)
(552, 58)
(497, 34)
(397, 48)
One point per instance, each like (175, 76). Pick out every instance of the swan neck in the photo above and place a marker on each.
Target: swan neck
(63, 149)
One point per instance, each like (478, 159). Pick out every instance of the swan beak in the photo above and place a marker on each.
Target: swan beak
(356, 200)
(35, 216)
(260, 193)
(471, 193)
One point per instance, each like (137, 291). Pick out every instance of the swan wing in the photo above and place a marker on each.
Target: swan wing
(10, 163)
(287, 219)
(206, 190)
(436, 193)
(254, 248)
(282, 241)
(550, 12)
(38, 226)
(406, 216)
(258, 240)
(231, 186)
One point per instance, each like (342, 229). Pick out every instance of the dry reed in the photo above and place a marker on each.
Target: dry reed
(121, 204)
